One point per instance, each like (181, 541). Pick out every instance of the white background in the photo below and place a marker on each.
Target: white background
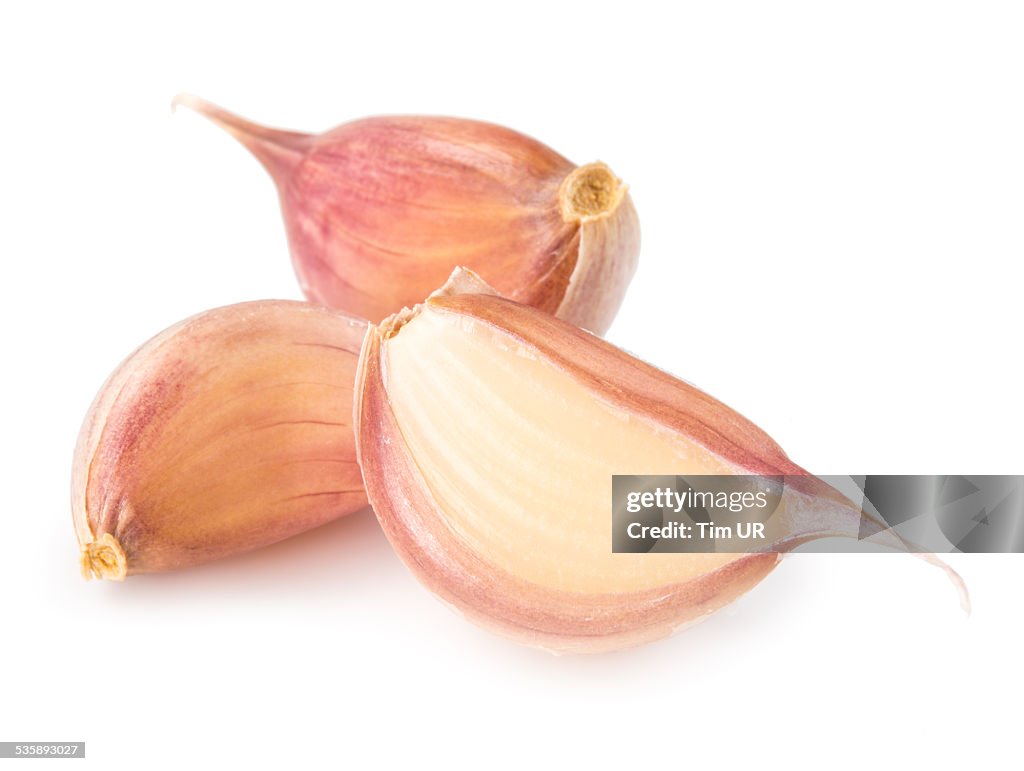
(831, 197)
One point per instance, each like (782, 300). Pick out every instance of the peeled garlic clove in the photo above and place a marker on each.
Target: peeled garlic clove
(488, 433)
(379, 211)
(227, 432)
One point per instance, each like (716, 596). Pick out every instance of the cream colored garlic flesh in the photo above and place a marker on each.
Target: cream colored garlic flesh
(520, 456)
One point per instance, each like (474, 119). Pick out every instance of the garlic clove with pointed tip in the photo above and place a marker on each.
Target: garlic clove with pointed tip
(488, 433)
(380, 210)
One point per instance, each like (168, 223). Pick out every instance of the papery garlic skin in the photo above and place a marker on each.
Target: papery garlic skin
(380, 210)
(228, 431)
(488, 433)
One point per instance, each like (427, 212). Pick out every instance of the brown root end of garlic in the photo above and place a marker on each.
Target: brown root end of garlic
(590, 192)
(104, 558)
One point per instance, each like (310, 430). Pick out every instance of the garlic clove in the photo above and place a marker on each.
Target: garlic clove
(379, 211)
(229, 431)
(488, 433)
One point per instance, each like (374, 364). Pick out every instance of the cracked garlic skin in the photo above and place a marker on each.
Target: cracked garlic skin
(227, 432)
(379, 212)
(488, 433)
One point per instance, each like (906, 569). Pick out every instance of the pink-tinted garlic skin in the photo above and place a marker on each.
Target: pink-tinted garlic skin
(379, 211)
(227, 432)
(468, 579)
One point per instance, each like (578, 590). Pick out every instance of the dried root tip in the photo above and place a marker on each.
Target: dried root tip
(104, 558)
(590, 192)
(390, 326)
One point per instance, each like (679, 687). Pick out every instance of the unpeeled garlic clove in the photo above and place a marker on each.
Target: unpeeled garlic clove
(226, 432)
(379, 211)
(488, 433)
